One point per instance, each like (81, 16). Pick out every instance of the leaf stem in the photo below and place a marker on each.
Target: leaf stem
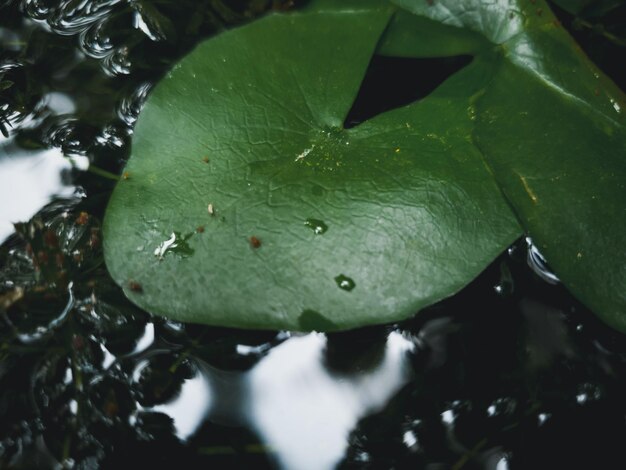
(104, 173)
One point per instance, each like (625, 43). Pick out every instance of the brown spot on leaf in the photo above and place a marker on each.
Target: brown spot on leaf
(135, 286)
(255, 242)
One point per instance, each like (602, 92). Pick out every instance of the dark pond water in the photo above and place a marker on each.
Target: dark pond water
(510, 373)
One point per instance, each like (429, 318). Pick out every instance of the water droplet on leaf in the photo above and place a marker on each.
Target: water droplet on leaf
(345, 283)
(177, 244)
(318, 226)
(616, 106)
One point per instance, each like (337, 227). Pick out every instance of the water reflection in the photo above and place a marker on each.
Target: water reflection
(538, 263)
(189, 408)
(298, 407)
(28, 181)
(146, 339)
(304, 412)
(502, 463)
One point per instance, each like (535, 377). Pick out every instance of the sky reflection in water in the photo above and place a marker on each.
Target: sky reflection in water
(28, 181)
(298, 407)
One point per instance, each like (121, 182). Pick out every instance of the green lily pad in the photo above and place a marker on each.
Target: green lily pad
(313, 226)
(566, 180)
(247, 203)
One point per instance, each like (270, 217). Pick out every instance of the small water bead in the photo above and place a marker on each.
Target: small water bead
(318, 226)
(505, 285)
(345, 283)
(543, 417)
(616, 106)
(471, 111)
(588, 393)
